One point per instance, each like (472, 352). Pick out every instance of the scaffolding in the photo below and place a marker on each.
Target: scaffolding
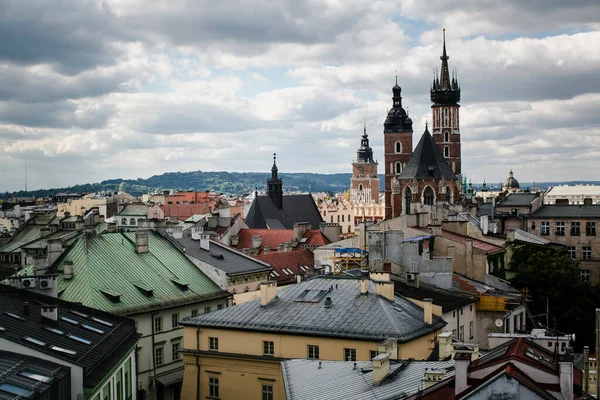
(348, 258)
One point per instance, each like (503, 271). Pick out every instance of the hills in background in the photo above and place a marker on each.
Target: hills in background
(232, 183)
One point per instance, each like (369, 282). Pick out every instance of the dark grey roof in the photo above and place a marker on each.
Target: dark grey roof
(337, 380)
(97, 358)
(448, 299)
(296, 208)
(427, 161)
(567, 211)
(368, 317)
(15, 370)
(518, 199)
(224, 258)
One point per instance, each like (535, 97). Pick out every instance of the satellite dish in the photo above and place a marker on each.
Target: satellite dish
(499, 322)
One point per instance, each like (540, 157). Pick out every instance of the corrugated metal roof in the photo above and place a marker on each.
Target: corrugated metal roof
(304, 380)
(29, 233)
(109, 263)
(369, 317)
(135, 209)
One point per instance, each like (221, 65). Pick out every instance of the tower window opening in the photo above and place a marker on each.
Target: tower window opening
(428, 196)
(446, 136)
(398, 167)
(398, 147)
(360, 187)
(446, 151)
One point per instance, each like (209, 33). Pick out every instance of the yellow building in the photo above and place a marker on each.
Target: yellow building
(235, 353)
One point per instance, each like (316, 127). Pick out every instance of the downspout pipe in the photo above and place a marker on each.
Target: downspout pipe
(153, 341)
(197, 364)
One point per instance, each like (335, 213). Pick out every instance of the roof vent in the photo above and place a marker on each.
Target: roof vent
(218, 256)
(328, 302)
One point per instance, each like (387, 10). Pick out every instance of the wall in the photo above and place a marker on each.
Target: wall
(505, 388)
(112, 379)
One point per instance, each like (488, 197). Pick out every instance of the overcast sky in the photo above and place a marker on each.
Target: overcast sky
(93, 90)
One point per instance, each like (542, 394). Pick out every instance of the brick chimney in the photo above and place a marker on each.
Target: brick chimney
(300, 229)
(141, 242)
(385, 289)
(50, 312)
(428, 311)
(381, 368)
(268, 292)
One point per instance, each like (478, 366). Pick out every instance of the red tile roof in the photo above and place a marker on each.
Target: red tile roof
(291, 260)
(184, 211)
(273, 237)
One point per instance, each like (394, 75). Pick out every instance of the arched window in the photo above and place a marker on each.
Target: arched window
(342, 218)
(407, 200)
(428, 196)
(446, 136)
(446, 118)
(360, 187)
(123, 221)
(446, 151)
(398, 147)
(448, 194)
(398, 167)
(132, 221)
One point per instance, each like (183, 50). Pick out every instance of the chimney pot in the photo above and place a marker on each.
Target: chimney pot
(328, 302)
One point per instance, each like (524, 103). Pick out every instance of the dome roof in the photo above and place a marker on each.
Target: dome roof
(511, 182)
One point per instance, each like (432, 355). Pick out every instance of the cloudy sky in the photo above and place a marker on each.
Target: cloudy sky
(92, 90)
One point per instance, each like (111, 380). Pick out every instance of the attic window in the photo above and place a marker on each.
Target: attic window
(112, 296)
(34, 341)
(15, 316)
(180, 285)
(274, 274)
(101, 321)
(64, 351)
(93, 329)
(69, 320)
(79, 313)
(430, 171)
(285, 271)
(146, 291)
(218, 256)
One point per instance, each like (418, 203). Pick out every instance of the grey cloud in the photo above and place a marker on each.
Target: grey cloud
(54, 115)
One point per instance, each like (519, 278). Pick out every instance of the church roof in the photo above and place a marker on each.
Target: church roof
(511, 182)
(427, 161)
(264, 213)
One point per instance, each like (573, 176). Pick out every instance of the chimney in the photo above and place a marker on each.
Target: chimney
(177, 232)
(68, 270)
(197, 232)
(469, 258)
(266, 249)
(461, 368)
(436, 230)
(381, 368)
(380, 276)
(444, 345)
(389, 347)
(300, 229)
(50, 312)
(111, 227)
(141, 242)
(205, 242)
(586, 369)
(428, 311)
(566, 380)
(268, 292)
(385, 289)
(328, 302)
(364, 286)
(298, 278)
(235, 239)
(281, 247)
(331, 231)
(256, 241)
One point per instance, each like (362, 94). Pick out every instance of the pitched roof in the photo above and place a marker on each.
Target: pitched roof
(184, 211)
(135, 210)
(106, 337)
(567, 211)
(427, 161)
(299, 262)
(26, 234)
(107, 267)
(231, 262)
(366, 317)
(296, 208)
(273, 237)
(347, 380)
(518, 199)
(448, 299)
(478, 244)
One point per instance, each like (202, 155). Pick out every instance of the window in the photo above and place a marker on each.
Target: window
(157, 324)
(175, 350)
(127, 381)
(398, 147)
(175, 320)
(342, 218)
(213, 343)
(206, 310)
(313, 352)
(213, 387)
(269, 348)
(549, 344)
(119, 384)
(575, 229)
(507, 325)
(572, 252)
(585, 275)
(219, 306)
(545, 228)
(446, 151)
(123, 221)
(158, 356)
(560, 228)
(349, 354)
(331, 218)
(590, 228)
(373, 354)
(587, 253)
(446, 136)
(338, 217)
(454, 333)
(428, 196)
(471, 307)
(398, 168)
(461, 333)
(132, 221)
(194, 312)
(267, 392)
(515, 321)
(471, 330)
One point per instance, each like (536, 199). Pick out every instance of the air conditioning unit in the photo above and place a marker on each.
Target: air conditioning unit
(410, 277)
(45, 283)
(28, 283)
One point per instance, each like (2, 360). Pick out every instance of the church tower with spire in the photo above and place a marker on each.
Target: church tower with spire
(275, 186)
(445, 96)
(397, 142)
(364, 184)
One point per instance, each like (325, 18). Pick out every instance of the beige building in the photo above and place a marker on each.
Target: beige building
(107, 206)
(236, 353)
(574, 195)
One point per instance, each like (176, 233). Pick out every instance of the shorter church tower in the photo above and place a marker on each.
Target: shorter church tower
(364, 184)
(275, 186)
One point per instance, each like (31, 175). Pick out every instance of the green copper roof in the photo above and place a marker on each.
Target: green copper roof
(26, 234)
(135, 210)
(109, 275)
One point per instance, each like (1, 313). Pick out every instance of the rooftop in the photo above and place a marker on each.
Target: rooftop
(92, 339)
(448, 299)
(224, 258)
(427, 161)
(286, 265)
(185, 211)
(356, 316)
(518, 199)
(273, 237)
(296, 208)
(478, 244)
(568, 190)
(567, 211)
(140, 210)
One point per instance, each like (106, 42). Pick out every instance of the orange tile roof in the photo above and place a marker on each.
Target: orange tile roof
(273, 237)
(184, 211)
(291, 260)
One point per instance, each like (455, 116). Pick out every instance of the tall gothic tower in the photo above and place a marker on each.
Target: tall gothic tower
(275, 186)
(445, 95)
(397, 136)
(364, 184)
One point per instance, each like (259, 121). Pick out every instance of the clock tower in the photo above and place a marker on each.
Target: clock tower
(364, 184)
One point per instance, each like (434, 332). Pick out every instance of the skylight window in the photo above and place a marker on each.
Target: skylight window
(34, 341)
(15, 316)
(79, 339)
(79, 313)
(69, 320)
(93, 329)
(35, 376)
(64, 351)
(2, 329)
(15, 390)
(285, 271)
(54, 330)
(274, 274)
(101, 321)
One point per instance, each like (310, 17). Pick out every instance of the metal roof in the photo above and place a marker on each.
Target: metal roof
(107, 264)
(365, 317)
(337, 380)
(567, 211)
(222, 257)
(448, 299)
(92, 339)
(28, 233)
(296, 208)
(134, 210)
(427, 161)
(518, 199)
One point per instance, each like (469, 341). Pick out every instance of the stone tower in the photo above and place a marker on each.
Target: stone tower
(364, 184)
(275, 186)
(397, 142)
(445, 95)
